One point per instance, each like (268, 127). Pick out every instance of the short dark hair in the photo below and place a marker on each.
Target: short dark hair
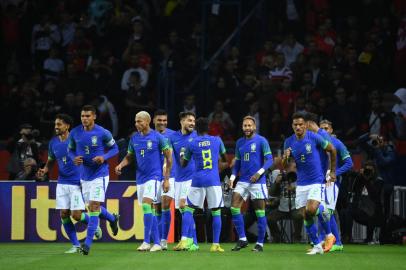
(65, 118)
(298, 115)
(183, 115)
(311, 117)
(249, 117)
(160, 112)
(202, 125)
(89, 108)
(325, 121)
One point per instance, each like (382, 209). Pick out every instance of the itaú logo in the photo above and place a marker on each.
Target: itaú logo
(30, 213)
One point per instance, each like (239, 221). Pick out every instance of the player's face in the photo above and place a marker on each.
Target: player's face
(60, 127)
(248, 127)
(299, 126)
(188, 123)
(87, 118)
(160, 122)
(327, 128)
(141, 124)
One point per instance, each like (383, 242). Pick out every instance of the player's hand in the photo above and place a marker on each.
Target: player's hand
(117, 169)
(287, 153)
(41, 173)
(165, 185)
(78, 160)
(255, 178)
(332, 176)
(99, 159)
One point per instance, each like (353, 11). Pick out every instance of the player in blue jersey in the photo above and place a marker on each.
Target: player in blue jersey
(90, 146)
(326, 236)
(208, 153)
(304, 147)
(68, 193)
(344, 164)
(164, 199)
(184, 175)
(253, 157)
(145, 148)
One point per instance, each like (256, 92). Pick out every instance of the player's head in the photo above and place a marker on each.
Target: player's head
(248, 126)
(311, 121)
(298, 123)
(327, 126)
(88, 115)
(187, 121)
(202, 125)
(160, 120)
(63, 122)
(142, 121)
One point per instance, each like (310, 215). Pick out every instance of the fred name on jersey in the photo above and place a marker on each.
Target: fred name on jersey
(204, 143)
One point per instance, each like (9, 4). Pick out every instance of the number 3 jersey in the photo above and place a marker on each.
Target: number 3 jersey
(205, 151)
(147, 150)
(68, 172)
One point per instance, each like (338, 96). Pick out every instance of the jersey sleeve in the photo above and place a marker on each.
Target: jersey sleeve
(266, 150)
(51, 155)
(222, 148)
(237, 151)
(108, 139)
(130, 148)
(163, 143)
(71, 141)
(342, 151)
(188, 152)
(286, 144)
(319, 140)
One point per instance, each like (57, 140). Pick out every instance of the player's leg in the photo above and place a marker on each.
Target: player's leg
(146, 195)
(259, 194)
(63, 204)
(214, 196)
(239, 195)
(310, 212)
(338, 246)
(165, 223)
(106, 215)
(323, 215)
(156, 216)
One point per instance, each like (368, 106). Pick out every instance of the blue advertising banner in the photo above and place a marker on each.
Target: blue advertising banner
(28, 213)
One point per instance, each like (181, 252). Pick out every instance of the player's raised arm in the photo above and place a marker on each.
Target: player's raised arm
(48, 165)
(126, 160)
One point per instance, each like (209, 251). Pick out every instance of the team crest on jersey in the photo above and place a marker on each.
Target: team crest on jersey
(308, 148)
(253, 147)
(149, 144)
(190, 139)
(94, 140)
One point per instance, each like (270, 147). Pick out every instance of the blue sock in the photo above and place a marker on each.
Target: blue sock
(324, 219)
(159, 223)
(322, 233)
(238, 221)
(84, 218)
(166, 223)
(187, 221)
(216, 226)
(146, 208)
(192, 232)
(70, 231)
(104, 214)
(261, 225)
(155, 230)
(92, 227)
(311, 230)
(335, 230)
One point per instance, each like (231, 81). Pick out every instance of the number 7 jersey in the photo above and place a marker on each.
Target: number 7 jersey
(205, 151)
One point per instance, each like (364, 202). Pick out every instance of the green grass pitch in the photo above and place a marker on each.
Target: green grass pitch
(122, 256)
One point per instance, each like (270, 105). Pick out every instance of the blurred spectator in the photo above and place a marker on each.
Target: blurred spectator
(134, 67)
(222, 118)
(29, 171)
(290, 49)
(280, 70)
(107, 116)
(189, 104)
(53, 65)
(399, 110)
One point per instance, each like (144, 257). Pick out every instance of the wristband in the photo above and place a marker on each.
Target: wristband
(261, 171)
(232, 177)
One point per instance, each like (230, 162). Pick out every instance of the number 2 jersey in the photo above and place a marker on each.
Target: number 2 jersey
(205, 151)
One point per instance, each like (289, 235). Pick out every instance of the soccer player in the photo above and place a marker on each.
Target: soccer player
(326, 236)
(68, 193)
(206, 151)
(344, 164)
(145, 148)
(163, 214)
(90, 146)
(252, 158)
(184, 175)
(303, 146)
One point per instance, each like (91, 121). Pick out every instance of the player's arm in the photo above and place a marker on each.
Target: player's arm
(237, 164)
(126, 160)
(266, 151)
(287, 152)
(167, 151)
(77, 160)
(223, 159)
(112, 148)
(330, 149)
(345, 158)
(185, 156)
(48, 165)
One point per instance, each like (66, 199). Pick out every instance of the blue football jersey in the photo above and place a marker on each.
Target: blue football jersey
(147, 150)
(252, 153)
(179, 143)
(167, 134)
(305, 152)
(68, 172)
(324, 159)
(205, 151)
